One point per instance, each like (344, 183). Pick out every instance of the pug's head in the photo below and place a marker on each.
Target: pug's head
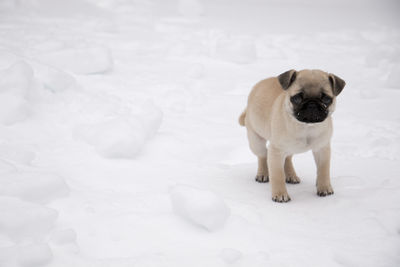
(311, 94)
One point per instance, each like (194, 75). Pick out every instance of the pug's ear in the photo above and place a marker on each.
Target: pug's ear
(336, 83)
(287, 78)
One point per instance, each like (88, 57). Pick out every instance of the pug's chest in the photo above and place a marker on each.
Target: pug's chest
(306, 140)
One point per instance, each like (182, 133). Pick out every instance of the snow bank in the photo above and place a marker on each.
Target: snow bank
(200, 207)
(80, 60)
(22, 220)
(33, 186)
(14, 85)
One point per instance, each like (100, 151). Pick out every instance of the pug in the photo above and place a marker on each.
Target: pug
(292, 112)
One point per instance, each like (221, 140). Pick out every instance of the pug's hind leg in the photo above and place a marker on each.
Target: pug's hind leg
(290, 173)
(259, 148)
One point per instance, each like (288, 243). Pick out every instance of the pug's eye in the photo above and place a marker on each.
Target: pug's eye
(327, 100)
(296, 99)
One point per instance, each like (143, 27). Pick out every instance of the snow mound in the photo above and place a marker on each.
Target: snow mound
(196, 71)
(121, 137)
(33, 186)
(20, 220)
(16, 153)
(14, 85)
(190, 8)
(151, 117)
(200, 207)
(16, 79)
(80, 60)
(13, 109)
(61, 237)
(240, 50)
(393, 80)
(34, 255)
(56, 80)
(6, 167)
(59, 8)
(124, 135)
(230, 255)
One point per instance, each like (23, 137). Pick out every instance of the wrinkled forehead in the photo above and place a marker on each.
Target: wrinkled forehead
(313, 82)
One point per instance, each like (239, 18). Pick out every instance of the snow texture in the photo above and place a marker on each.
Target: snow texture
(34, 255)
(119, 141)
(121, 137)
(33, 186)
(80, 60)
(21, 220)
(200, 207)
(14, 88)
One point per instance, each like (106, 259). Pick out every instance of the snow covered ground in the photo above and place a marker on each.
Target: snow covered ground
(119, 141)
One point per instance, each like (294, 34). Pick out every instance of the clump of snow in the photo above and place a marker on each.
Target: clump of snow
(16, 79)
(89, 60)
(190, 8)
(236, 49)
(381, 54)
(201, 207)
(16, 153)
(115, 138)
(61, 237)
(34, 255)
(14, 85)
(393, 79)
(33, 186)
(151, 118)
(121, 137)
(230, 255)
(196, 71)
(175, 100)
(56, 80)
(13, 109)
(21, 220)
(59, 8)
(8, 255)
(6, 167)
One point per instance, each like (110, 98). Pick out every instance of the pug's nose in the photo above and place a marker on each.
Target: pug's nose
(312, 104)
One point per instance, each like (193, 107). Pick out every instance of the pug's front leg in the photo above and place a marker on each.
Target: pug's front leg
(276, 161)
(322, 159)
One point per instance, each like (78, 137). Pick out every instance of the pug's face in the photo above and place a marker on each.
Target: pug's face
(311, 94)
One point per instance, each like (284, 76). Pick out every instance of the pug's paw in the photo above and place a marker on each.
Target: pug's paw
(292, 179)
(324, 190)
(262, 178)
(281, 197)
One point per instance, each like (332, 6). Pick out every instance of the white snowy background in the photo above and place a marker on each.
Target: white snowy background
(119, 141)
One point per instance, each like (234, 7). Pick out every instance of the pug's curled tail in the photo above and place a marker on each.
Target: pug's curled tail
(242, 117)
